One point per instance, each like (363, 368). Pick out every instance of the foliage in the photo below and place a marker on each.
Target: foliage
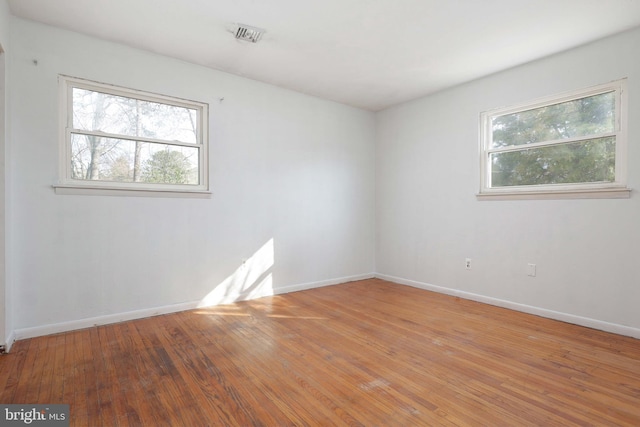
(168, 167)
(585, 160)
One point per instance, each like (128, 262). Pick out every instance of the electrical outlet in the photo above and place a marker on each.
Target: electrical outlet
(531, 270)
(467, 263)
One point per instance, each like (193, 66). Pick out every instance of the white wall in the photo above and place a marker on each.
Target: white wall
(5, 319)
(287, 170)
(429, 221)
(302, 174)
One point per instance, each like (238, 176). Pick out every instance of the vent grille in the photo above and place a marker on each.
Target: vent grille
(248, 33)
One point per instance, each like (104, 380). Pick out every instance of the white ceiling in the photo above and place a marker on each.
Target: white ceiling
(366, 53)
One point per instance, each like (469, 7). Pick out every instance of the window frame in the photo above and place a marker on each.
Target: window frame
(616, 189)
(68, 185)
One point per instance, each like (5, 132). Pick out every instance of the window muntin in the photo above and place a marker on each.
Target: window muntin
(125, 139)
(573, 142)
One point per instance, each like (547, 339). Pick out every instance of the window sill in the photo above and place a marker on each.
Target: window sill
(85, 190)
(600, 193)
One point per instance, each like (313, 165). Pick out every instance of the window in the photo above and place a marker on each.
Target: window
(572, 145)
(120, 140)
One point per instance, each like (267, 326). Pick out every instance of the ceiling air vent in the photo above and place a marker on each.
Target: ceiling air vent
(248, 33)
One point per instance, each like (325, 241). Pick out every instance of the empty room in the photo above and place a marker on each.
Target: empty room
(318, 213)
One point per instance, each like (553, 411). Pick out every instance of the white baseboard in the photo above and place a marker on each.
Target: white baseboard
(322, 283)
(36, 331)
(10, 340)
(550, 314)
(89, 322)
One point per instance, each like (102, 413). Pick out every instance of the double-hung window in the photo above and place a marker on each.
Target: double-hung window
(118, 139)
(573, 145)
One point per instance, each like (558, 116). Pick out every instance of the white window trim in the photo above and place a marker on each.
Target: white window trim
(68, 186)
(617, 189)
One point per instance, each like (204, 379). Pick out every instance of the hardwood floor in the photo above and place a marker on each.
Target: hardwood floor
(369, 353)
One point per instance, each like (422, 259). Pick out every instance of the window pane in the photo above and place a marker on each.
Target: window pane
(581, 117)
(117, 160)
(96, 111)
(584, 161)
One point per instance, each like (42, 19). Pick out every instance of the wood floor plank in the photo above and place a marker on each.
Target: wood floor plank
(29, 382)
(74, 376)
(161, 391)
(365, 353)
(219, 369)
(385, 362)
(341, 363)
(62, 367)
(254, 356)
(11, 367)
(180, 348)
(106, 413)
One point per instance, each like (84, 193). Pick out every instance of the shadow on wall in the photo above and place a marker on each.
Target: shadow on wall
(253, 279)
